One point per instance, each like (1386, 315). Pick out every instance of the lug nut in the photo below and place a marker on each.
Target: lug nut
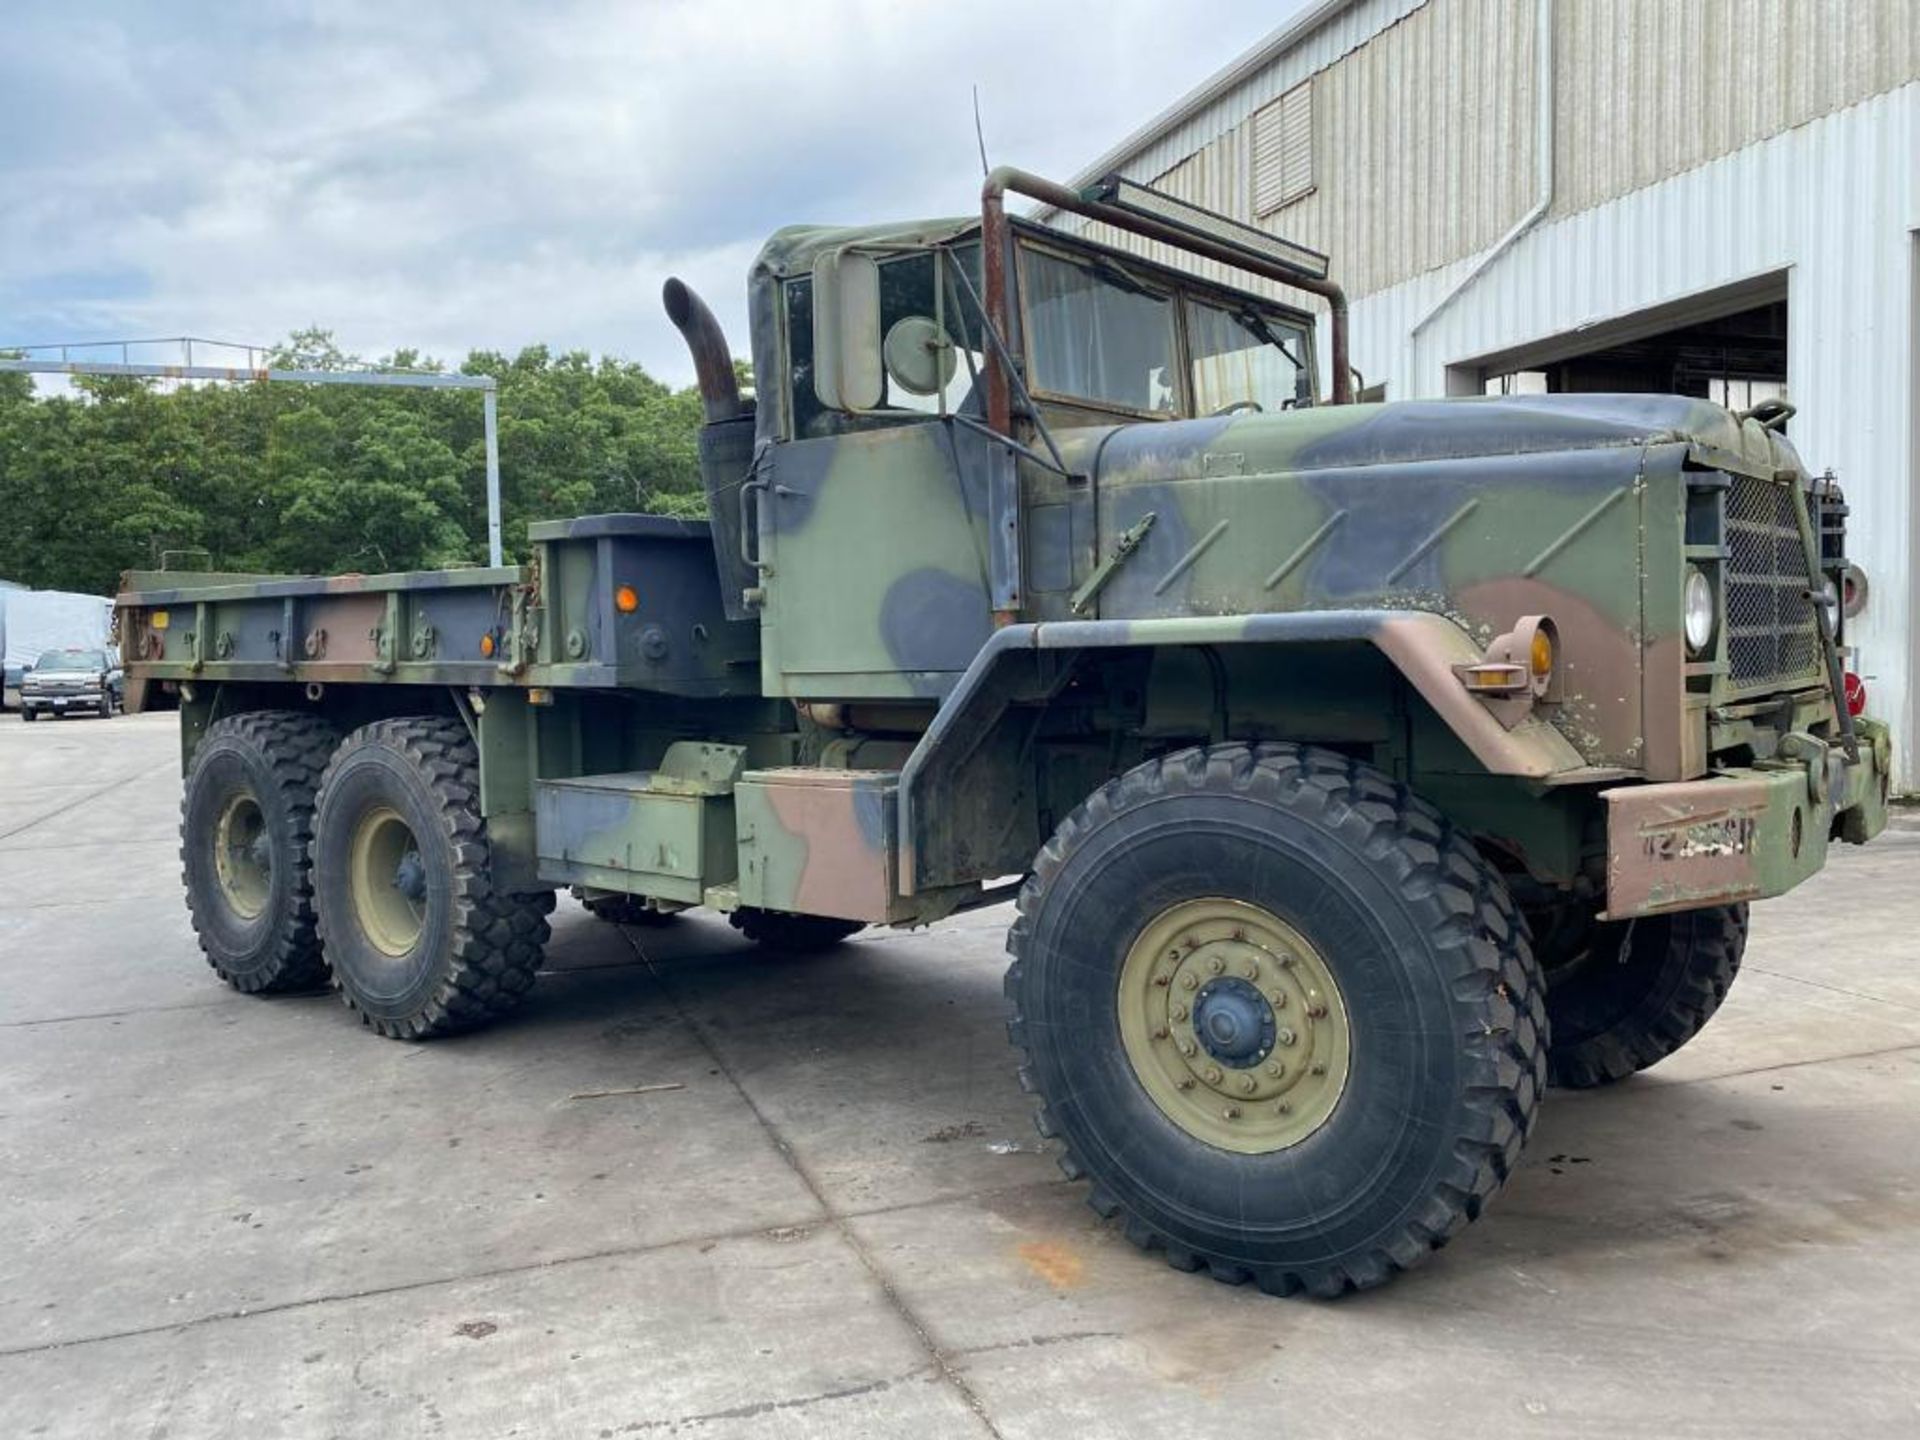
(1281, 1107)
(1162, 980)
(1276, 1069)
(1285, 1036)
(1278, 999)
(1187, 1048)
(1317, 1012)
(1213, 1074)
(1232, 1112)
(1248, 1084)
(1286, 959)
(1179, 1012)
(1216, 965)
(1185, 1082)
(1188, 982)
(1239, 932)
(1160, 1032)
(1319, 1067)
(1251, 970)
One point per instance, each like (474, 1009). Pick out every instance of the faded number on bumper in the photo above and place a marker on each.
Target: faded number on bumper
(1741, 834)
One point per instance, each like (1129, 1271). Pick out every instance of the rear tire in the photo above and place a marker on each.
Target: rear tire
(1625, 995)
(420, 941)
(795, 934)
(246, 817)
(1299, 898)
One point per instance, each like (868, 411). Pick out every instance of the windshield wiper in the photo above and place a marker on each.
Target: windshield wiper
(1116, 276)
(1256, 325)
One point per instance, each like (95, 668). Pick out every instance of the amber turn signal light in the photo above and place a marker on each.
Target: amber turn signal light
(626, 599)
(1541, 655)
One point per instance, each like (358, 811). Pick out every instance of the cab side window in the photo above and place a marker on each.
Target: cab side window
(907, 301)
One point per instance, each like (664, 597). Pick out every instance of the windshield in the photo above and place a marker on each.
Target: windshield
(1245, 360)
(1095, 335)
(71, 660)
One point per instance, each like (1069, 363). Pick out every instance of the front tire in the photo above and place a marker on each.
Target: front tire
(246, 817)
(421, 942)
(1209, 916)
(1625, 995)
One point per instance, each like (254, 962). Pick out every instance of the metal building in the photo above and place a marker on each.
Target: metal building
(1714, 197)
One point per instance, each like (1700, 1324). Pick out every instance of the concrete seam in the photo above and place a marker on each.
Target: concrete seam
(1802, 1064)
(840, 1222)
(501, 1272)
(84, 799)
(1834, 989)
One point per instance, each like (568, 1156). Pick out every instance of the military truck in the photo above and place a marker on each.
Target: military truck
(1355, 769)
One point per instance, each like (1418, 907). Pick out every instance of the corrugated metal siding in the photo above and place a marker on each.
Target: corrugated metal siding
(1423, 129)
(1834, 205)
(1345, 32)
(1422, 143)
(1649, 88)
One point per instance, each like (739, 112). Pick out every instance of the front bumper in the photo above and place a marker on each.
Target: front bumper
(60, 701)
(1742, 834)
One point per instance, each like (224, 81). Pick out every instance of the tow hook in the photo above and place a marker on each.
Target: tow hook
(1820, 760)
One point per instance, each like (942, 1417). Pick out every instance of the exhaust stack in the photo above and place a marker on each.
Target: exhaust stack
(712, 361)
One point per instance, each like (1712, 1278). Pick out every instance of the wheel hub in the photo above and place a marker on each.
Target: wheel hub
(1234, 1025)
(1234, 1022)
(410, 877)
(243, 856)
(387, 880)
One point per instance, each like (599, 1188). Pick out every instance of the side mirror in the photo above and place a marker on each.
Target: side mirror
(846, 330)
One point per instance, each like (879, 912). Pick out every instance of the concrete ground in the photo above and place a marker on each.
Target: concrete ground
(221, 1216)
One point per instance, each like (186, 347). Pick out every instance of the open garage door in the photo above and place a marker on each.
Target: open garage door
(1728, 346)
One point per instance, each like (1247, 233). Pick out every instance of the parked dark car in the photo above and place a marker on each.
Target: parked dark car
(62, 681)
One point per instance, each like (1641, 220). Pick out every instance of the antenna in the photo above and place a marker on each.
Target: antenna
(979, 134)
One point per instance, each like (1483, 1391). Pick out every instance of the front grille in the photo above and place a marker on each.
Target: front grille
(1772, 633)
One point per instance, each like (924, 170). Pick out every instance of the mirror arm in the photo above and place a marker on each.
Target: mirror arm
(1006, 368)
(1025, 452)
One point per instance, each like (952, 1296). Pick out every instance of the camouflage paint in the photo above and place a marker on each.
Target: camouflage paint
(1744, 834)
(819, 842)
(667, 833)
(1413, 533)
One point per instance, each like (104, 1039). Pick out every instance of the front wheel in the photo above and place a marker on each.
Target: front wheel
(1627, 994)
(1283, 1016)
(421, 941)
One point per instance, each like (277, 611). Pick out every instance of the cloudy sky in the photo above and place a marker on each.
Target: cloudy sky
(455, 176)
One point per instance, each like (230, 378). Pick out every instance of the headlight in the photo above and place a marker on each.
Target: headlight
(1698, 611)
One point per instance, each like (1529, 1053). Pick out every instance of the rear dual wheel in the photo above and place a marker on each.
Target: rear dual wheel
(420, 939)
(246, 820)
(1283, 1017)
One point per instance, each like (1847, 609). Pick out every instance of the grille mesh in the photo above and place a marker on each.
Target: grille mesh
(1772, 633)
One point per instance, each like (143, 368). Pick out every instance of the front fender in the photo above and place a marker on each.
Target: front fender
(1423, 647)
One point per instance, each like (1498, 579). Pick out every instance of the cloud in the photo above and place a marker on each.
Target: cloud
(485, 176)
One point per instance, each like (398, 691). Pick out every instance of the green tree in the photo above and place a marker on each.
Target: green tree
(329, 478)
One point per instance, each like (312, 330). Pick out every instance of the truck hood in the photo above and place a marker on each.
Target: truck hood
(1335, 437)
